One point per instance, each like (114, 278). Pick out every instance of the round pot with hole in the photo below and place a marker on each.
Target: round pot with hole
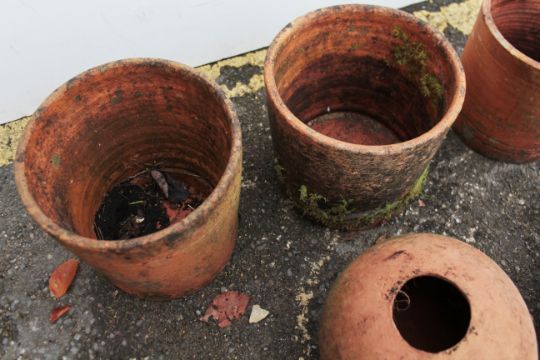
(105, 125)
(501, 113)
(359, 98)
(425, 296)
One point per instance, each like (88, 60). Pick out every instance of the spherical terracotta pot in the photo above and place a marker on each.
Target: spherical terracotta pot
(109, 123)
(425, 296)
(501, 114)
(359, 98)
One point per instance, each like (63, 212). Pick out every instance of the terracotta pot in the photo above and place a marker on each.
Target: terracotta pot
(501, 114)
(425, 296)
(111, 122)
(359, 98)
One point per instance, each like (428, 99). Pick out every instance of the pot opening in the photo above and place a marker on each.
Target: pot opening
(431, 314)
(364, 77)
(117, 125)
(519, 23)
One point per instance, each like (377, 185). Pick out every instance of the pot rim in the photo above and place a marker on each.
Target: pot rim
(441, 127)
(507, 45)
(193, 220)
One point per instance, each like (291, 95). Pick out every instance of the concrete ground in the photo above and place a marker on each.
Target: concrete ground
(285, 263)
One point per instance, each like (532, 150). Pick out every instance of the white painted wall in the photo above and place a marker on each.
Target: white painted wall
(43, 43)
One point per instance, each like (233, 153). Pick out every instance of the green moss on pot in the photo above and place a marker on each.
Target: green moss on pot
(413, 57)
(342, 214)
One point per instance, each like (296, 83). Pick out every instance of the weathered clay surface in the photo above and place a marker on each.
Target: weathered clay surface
(112, 122)
(377, 62)
(357, 320)
(501, 113)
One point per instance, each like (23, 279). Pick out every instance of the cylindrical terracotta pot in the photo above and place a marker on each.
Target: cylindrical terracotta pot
(111, 122)
(501, 113)
(425, 296)
(359, 99)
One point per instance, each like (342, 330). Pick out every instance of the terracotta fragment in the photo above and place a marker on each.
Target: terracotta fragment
(62, 277)
(58, 312)
(359, 99)
(425, 296)
(501, 113)
(108, 124)
(225, 307)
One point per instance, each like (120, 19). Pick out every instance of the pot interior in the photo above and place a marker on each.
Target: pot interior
(431, 314)
(519, 23)
(364, 75)
(115, 121)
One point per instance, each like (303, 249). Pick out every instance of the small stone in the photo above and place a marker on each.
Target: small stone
(289, 272)
(257, 314)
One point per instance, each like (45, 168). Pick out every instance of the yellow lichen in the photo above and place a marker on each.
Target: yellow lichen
(256, 82)
(255, 58)
(460, 16)
(9, 138)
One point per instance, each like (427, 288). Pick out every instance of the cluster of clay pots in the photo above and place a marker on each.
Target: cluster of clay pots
(363, 95)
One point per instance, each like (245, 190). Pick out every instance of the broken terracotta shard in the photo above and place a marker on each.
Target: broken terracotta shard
(62, 277)
(225, 307)
(58, 312)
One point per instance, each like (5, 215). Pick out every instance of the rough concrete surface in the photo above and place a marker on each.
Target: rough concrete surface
(285, 263)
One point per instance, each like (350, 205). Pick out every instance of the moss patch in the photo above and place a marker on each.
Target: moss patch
(280, 170)
(341, 214)
(320, 209)
(56, 160)
(413, 58)
(385, 212)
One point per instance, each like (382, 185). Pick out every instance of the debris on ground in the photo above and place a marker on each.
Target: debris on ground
(421, 203)
(145, 203)
(62, 277)
(257, 314)
(227, 306)
(58, 312)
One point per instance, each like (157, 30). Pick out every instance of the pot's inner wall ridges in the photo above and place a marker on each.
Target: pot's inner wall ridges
(113, 123)
(519, 23)
(431, 314)
(380, 70)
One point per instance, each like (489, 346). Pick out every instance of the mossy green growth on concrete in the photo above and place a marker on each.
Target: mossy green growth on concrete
(413, 57)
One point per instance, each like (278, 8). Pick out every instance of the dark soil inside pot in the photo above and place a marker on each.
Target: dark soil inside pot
(145, 203)
(354, 128)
